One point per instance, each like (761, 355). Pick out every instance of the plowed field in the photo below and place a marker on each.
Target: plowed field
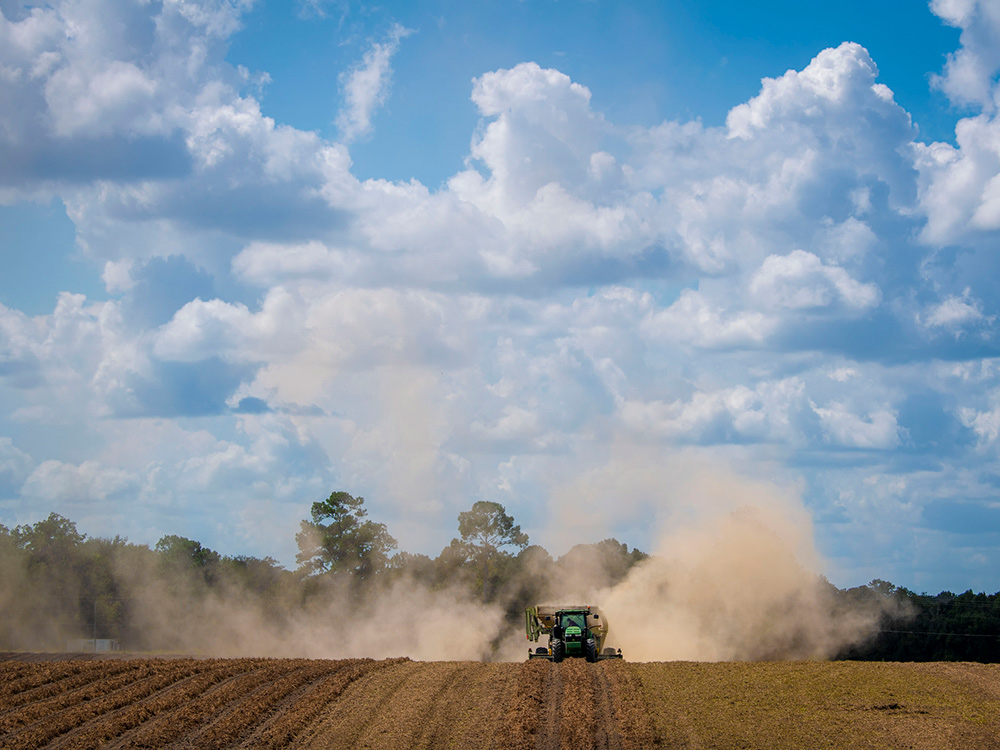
(397, 703)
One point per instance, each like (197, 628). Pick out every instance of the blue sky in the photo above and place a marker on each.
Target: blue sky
(568, 256)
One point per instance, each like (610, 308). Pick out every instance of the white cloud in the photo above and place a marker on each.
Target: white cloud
(801, 281)
(844, 374)
(693, 320)
(101, 102)
(959, 186)
(850, 241)
(969, 73)
(71, 363)
(87, 482)
(772, 411)
(543, 136)
(15, 466)
(954, 313)
(986, 424)
(843, 427)
(366, 87)
(832, 115)
(833, 84)
(265, 263)
(101, 88)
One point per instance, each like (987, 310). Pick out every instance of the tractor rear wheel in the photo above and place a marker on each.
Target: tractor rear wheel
(591, 652)
(558, 651)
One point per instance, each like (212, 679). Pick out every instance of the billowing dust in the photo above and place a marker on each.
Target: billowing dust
(170, 610)
(734, 576)
(404, 620)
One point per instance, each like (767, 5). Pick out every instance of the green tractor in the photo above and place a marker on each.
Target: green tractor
(572, 631)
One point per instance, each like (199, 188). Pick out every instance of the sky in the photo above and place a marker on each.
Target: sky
(548, 254)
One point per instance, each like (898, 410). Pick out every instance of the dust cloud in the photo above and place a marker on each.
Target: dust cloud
(734, 576)
(730, 589)
(166, 609)
(403, 619)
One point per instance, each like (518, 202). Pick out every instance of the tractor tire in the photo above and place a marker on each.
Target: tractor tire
(591, 652)
(558, 651)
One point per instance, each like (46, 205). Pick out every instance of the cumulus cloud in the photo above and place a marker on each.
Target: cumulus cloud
(801, 281)
(986, 424)
(543, 132)
(693, 320)
(56, 481)
(955, 313)
(772, 411)
(576, 283)
(99, 103)
(836, 94)
(846, 428)
(960, 185)
(969, 73)
(265, 263)
(103, 89)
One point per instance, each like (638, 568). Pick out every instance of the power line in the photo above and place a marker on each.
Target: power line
(927, 632)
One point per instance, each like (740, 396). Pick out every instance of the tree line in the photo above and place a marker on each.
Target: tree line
(925, 627)
(56, 581)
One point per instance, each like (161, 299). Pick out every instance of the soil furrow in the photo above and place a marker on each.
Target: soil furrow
(58, 703)
(153, 678)
(98, 732)
(172, 721)
(61, 687)
(526, 710)
(361, 703)
(34, 676)
(577, 719)
(462, 712)
(299, 715)
(402, 721)
(240, 719)
(628, 706)
(607, 733)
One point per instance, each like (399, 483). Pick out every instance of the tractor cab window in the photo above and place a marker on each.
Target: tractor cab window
(579, 621)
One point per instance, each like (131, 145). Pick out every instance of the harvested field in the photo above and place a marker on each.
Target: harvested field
(51, 701)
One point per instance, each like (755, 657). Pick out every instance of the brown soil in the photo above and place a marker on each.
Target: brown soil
(136, 702)
(840, 705)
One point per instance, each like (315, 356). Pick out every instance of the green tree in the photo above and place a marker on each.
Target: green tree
(485, 530)
(51, 577)
(339, 539)
(49, 543)
(186, 555)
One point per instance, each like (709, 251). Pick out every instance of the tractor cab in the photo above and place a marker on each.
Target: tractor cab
(571, 628)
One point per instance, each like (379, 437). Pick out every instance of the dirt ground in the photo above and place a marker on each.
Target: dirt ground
(130, 702)
(839, 705)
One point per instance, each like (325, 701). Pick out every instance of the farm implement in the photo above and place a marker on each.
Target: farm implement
(573, 631)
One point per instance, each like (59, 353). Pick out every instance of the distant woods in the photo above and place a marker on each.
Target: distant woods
(941, 627)
(57, 584)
